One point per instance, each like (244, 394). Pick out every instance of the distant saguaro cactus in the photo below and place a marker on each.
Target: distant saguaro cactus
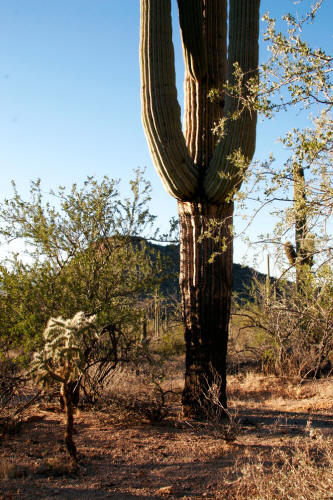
(301, 257)
(196, 166)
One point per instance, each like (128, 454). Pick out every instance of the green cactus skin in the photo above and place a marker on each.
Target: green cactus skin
(194, 164)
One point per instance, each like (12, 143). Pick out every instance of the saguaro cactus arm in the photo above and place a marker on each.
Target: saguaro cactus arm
(191, 21)
(204, 34)
(190, 164)
(193, 167)
(160, 108)
(240, 134)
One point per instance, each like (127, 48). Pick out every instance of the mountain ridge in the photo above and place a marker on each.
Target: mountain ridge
(242, 275)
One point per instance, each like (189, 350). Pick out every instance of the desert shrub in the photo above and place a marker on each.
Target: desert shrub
(292, 326)
(84, 252)
(72, 347)
(303, 472)
(242, 354)
(15, 395)
(10, 470)
(219, 421)
(172, 343)
(138, 390)
(134, 398)
(10, 380)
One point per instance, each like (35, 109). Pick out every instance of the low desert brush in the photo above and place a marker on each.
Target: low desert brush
(302, 472)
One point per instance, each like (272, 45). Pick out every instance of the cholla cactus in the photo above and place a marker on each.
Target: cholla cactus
(63, 360)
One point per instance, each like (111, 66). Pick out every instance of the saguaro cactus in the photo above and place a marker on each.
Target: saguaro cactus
(195, 165)
(301, 257)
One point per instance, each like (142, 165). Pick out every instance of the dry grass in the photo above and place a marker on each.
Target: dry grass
(10, 470)
(134, 396)
(251, 387)
(55, 466)
(303, 472)
(299, 468)
(283, 449)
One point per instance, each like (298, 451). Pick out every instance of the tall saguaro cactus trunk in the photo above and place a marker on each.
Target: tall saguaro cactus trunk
(196, 166)
(206, 298)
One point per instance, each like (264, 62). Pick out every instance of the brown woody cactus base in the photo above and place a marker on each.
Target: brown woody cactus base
(206, 298)
(67, 392)
(196, 166)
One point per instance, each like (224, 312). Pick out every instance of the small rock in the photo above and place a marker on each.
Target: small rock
(165, 490)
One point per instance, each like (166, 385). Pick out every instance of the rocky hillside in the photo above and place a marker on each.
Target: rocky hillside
(242, 275)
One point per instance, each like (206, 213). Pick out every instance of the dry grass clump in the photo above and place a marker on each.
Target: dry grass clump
(10, 470)
(304, 472)
(17, 395)
(133, 396)
(55, 466)
(220, 421)
(255, 386)
(270, 389)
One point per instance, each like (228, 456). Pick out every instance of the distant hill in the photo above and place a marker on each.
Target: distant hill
(242, 275)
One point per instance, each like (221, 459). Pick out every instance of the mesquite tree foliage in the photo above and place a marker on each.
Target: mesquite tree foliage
(296, 76)
(198, 167)
(82, 254)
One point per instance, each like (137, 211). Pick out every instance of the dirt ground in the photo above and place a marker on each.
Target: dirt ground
(124, 457)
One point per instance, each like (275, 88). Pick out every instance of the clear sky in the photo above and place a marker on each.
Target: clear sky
(70, 96)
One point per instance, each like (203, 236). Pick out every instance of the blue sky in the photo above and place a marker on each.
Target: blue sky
(70, 98)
